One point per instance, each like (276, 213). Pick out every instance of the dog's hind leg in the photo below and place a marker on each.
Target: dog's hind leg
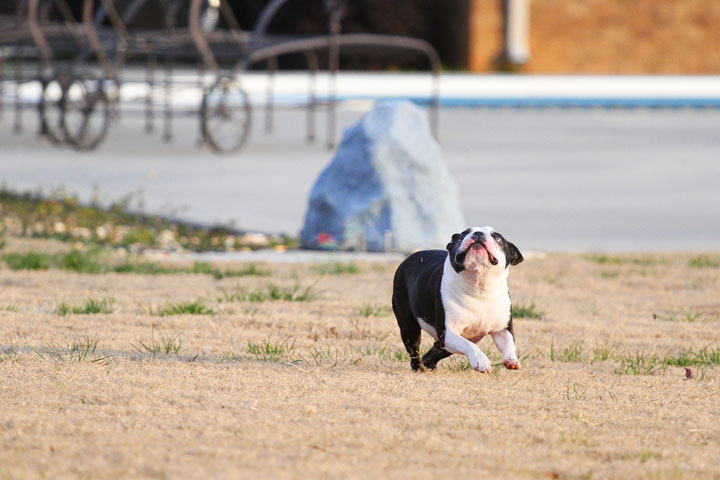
(410, 333)
(434, 355)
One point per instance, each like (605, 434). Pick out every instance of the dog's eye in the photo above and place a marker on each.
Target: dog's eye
(497, 238)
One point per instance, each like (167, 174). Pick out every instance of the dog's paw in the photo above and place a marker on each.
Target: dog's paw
(482, 364)
(512, 363)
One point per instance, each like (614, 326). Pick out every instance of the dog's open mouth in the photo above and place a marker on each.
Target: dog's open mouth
(478, 246)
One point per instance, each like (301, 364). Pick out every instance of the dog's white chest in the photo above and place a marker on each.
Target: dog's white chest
(473, 316)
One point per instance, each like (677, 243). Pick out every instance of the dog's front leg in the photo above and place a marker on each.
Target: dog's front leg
(505, 342)
(457, 344)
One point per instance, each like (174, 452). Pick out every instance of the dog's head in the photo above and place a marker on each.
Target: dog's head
(482, 247)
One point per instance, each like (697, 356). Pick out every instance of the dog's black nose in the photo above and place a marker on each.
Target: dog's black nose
(478, 236)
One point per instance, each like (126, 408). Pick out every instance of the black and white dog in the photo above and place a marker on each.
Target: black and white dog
(458, 296)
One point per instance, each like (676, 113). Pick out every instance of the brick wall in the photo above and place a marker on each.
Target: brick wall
(605, 36)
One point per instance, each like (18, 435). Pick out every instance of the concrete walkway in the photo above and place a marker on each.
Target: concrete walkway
(549, 179)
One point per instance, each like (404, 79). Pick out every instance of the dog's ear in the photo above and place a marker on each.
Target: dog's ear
(514, 256)
(453, 241)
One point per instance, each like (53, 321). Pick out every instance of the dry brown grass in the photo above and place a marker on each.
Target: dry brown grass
(334, 396)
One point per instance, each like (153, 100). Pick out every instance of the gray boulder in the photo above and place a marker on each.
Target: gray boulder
(387, 188)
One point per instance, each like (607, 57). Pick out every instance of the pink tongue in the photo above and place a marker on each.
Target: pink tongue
(479, 246)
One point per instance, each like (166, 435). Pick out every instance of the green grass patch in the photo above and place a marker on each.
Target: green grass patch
(74, 261)
(704, 261)
(457, 363)
(686, 358)
(28, 261)
(90, 307)
(80, 349)
(604, 259)
(526, 311)
(639, 363)
(271, 292)
(250, 270)
(152, 268)
(144, 268)
(575, 392)
(164, 345)
(641, 456)
(384, 352)
(335, 268)
(202, 268)
(321, 356)
(81, 262)
(571, 353)
(401, 356)
(688, 315)
(269, 351)
(368, 309)
(83, 346)
(604, 351)
(185, 308)
(87, 262)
